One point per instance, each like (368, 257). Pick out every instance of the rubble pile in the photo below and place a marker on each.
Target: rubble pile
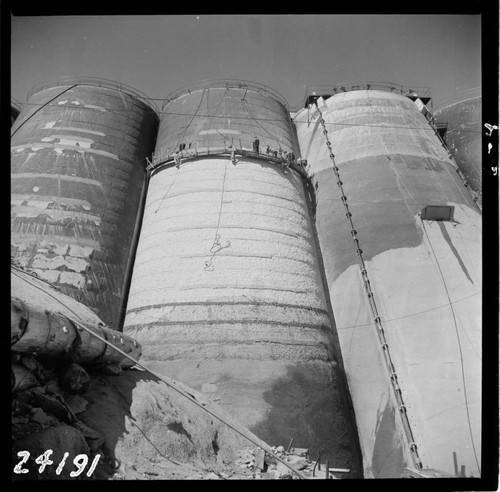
(131, 426)
(256, 464)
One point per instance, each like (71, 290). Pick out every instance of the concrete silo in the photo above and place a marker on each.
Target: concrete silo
(462, 116)
(78, 157)
(401, 244)
(227, 294)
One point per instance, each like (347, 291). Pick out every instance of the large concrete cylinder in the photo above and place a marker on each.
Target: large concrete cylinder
(462, 114)
(425, 276)
(78, 170)
(227, 294)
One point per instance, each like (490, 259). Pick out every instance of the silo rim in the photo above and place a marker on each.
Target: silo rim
(459, 97)
(14, 103)
(334, 89)
(94, 81)
(226, 83)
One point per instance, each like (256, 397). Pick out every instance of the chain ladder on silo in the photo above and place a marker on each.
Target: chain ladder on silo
(373, 306)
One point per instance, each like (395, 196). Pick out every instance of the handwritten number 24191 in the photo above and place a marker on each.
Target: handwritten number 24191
(80, 461)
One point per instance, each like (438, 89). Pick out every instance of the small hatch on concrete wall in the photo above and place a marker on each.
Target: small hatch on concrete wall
(437, 212)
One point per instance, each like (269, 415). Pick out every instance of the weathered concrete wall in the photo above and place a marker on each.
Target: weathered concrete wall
(227, 295)
(464, 136)
(78, 159)
(426, 279)
(208, 119)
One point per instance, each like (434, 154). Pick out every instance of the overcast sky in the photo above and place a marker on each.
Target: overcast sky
(158, 54)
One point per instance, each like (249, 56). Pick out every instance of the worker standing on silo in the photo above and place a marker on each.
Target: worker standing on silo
(256, 143)
(177, 159)
(231, 149)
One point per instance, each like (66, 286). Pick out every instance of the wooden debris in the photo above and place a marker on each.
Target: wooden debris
(260, 463)
(47, 328)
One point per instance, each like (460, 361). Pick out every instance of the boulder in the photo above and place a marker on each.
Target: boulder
(75, 379)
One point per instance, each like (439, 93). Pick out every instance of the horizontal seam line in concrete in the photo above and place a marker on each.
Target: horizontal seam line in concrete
(237, 202)
(142, 326)
(210, 239)
(298, 343)
(282, 183)
(63, 177)
(162, 220)
(82, 150)
(57, 238)
(228, 303)
(398, 154)
(226, 286)
(240, 169)
(245, 269)
(218, 190)
(181, 229)
(54, 212)
(283, 180)
(23, 197)
(309, 262)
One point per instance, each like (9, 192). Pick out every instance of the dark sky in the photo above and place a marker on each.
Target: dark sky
(158, 54)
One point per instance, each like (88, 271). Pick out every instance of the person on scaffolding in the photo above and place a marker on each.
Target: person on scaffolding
(231, 150)
(285, 161)
(256, 144)
(176, 155)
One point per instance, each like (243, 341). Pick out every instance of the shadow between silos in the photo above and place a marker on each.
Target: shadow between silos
(314, 412)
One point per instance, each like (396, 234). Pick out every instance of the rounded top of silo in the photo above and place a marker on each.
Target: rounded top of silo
(96, 82)
(227, 84)
(325, 91)
(459, 97)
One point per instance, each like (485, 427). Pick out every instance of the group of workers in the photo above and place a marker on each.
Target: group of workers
(286, 158)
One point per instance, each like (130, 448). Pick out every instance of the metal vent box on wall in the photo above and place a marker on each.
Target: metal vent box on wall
(437, 212)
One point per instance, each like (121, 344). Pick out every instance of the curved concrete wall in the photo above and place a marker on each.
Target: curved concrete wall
(425, 276)
(78, 158)
(464, 136)
(227, 296)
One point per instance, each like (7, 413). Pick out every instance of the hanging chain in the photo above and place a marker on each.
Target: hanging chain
(373, 306)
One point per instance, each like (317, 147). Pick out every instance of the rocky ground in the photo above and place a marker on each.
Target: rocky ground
(130, 426)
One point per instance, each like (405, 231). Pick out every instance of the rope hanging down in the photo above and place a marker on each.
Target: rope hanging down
(216, 246)
(373, 306)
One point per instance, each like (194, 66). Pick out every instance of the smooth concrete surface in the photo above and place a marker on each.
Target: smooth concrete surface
(77, 171)
(425, 276)
(227, 297)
